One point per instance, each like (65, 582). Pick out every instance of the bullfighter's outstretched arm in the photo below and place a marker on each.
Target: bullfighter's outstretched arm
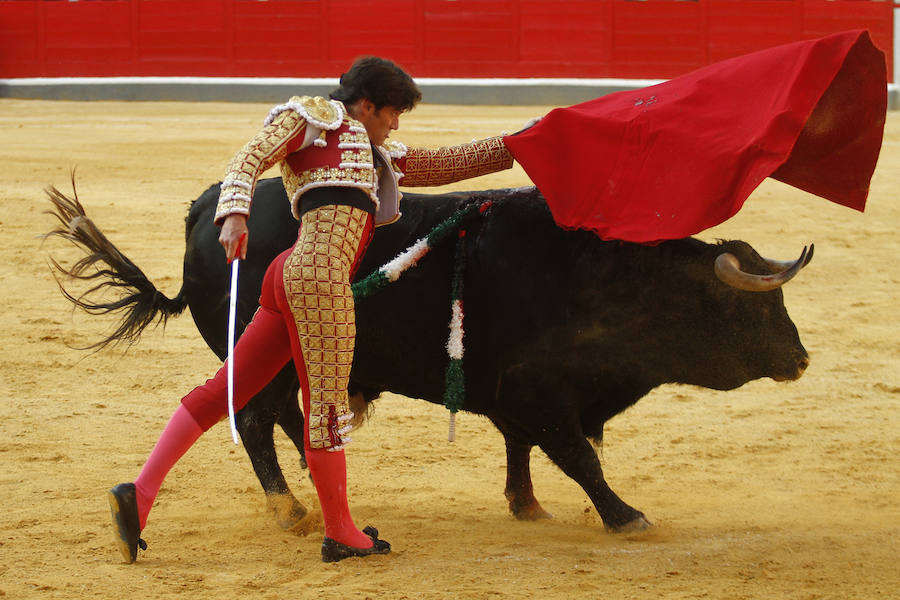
(425, 167)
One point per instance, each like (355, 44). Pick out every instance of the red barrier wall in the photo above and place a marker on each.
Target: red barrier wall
(431, 38)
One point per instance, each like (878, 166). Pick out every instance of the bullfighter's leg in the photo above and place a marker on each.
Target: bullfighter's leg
(577, 458)
(317, 291)
(262, 350)
(260, 353)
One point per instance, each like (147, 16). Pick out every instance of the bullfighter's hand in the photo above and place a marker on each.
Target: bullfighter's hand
(234, 236)
(531, 123)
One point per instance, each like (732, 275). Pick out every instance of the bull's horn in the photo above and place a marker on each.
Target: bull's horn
(728, 269)
(783, 265)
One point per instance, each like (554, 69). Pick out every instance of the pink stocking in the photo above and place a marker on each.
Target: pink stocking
(178, 436)
(329, 473)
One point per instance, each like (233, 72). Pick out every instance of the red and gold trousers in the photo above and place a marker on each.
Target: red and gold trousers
(306, 313)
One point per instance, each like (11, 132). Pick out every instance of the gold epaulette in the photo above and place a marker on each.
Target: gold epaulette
(316, 110)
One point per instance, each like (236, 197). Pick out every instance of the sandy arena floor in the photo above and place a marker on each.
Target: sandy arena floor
(769, 491)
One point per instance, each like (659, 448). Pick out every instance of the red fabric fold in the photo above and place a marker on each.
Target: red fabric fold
(674, 159)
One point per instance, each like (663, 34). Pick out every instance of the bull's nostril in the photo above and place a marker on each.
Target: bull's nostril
(803, 363)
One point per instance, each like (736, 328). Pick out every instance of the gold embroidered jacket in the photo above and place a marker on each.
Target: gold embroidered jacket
(318, 144)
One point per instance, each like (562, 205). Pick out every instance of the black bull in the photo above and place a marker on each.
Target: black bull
(563, 330)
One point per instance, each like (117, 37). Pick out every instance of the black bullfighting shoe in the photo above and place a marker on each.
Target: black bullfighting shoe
(333, 551)
(126, 525)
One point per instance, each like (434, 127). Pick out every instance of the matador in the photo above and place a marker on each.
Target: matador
(342, 176)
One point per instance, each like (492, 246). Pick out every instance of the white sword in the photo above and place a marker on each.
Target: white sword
(232, 317)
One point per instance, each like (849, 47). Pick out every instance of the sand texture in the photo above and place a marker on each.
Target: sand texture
(774, 490)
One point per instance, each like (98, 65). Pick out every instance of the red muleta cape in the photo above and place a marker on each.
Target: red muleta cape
(674, 159)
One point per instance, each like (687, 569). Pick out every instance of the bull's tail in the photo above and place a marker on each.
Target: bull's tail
(108, 272)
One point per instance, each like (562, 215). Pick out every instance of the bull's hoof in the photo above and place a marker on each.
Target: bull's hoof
(636, 525)
(289, 514)
(529, 512)
(312, 522)
(525, 507)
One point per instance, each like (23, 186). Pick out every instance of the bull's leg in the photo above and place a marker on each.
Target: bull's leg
(576, 457)
(290, 419)
(519, 490)
(256, 424)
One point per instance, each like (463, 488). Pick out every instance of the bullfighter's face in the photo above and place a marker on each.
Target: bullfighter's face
(378, 122)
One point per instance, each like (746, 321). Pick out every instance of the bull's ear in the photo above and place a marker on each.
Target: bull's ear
(728, 269)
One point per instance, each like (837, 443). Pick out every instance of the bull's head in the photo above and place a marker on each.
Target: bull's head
(728, 270)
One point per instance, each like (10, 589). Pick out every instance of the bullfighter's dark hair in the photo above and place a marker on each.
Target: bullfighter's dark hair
(380, 81)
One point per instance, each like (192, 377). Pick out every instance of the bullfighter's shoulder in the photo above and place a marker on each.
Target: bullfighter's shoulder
(316, 110)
